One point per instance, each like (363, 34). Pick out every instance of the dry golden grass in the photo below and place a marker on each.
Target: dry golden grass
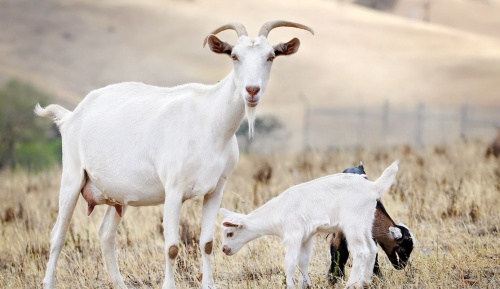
(449, 196)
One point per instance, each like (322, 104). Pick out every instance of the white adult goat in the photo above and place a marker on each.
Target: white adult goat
(140, 145)
(329, 204)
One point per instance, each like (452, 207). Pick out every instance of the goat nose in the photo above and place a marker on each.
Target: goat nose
(253, 90)
(226, 249)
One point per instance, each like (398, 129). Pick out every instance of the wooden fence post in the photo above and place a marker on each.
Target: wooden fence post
(361, 125)
(385, 121)
(419, 118)
(305, 126)
(464, 119)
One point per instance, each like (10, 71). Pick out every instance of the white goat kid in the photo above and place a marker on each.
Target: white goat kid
(140, 145)
(337, 202)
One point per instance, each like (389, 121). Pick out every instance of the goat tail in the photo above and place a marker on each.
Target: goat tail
(384, 182)
(56, 112)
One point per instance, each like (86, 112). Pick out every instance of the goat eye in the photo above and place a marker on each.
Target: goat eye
(271, 58)
(229, 235)
(234, 57)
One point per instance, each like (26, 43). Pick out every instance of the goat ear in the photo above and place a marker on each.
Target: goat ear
(288, 48)
(395, 233)
(219, 46)
(229, 224)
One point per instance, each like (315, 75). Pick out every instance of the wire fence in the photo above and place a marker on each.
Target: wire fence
(386, 125)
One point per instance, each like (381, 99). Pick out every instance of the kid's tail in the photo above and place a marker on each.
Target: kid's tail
(384, 182)
(56, 112)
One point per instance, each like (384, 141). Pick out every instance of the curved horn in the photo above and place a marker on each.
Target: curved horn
(270, 25)
(238, 27)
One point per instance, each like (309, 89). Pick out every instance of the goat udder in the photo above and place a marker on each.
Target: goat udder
(89, 197)
(95, 197)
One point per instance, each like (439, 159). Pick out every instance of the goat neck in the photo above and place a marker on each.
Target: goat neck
(230, 108)
(381, 224)
(263, 222)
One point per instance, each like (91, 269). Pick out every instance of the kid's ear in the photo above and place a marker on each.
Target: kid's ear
(233, 221)
(225, 212)
(395, 233)
(231, 224)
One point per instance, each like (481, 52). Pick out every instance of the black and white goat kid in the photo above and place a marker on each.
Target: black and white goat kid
(395, 239)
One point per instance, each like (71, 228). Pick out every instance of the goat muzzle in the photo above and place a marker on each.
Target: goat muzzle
(226, 250)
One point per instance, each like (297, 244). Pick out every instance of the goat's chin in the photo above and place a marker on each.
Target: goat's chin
(250, 113)
(399, 266)
(251, 103)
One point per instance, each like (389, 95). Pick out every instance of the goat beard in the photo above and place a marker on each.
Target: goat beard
(250, 112)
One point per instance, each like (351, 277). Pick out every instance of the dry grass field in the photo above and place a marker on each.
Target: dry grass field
(449, 196)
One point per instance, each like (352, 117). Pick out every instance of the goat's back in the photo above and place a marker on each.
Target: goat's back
(327, 200)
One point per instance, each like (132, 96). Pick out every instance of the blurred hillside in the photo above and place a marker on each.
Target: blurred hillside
(476, 16)
(357, 57)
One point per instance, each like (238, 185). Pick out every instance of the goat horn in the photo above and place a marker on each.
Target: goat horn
(270, 25)
(239, 28)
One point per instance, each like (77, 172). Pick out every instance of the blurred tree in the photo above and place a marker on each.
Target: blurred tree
(18, 123)
(263, 126)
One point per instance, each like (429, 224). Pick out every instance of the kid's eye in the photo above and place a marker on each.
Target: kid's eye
(234, 57)
(271, 58)
(229, 235)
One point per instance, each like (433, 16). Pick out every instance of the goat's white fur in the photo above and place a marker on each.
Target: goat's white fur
(337, 202)
(143, 145)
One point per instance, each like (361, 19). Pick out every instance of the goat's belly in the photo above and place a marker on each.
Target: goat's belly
(328, 228)
(129, 189)
(135, 196)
